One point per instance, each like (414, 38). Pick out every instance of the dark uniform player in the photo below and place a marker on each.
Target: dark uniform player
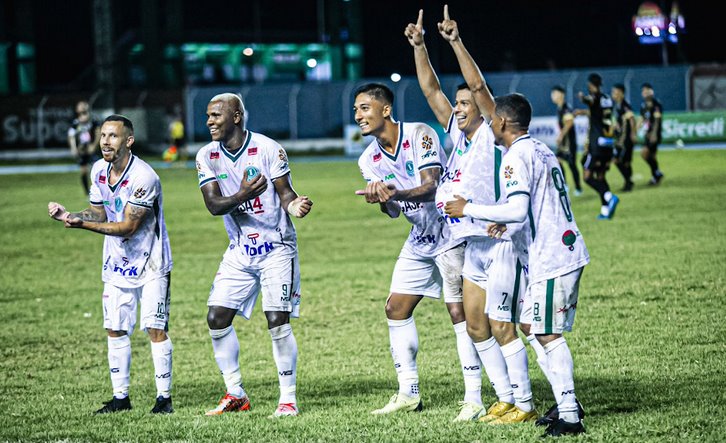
(600, 144)
(566, 140)
(652, 112)
(625, 135)
(83, 136)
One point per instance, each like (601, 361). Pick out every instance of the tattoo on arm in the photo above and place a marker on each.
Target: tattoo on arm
(90, 215)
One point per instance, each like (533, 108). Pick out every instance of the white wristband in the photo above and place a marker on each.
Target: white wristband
(294, 208)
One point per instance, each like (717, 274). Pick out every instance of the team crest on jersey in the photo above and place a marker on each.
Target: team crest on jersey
(426, 142)
(406, 144)
(568, 239)
(118, 204)
(508, 171)
(282, 155)
(409, 168)
(251, 172)
(252, 151)
(102, 179)
(139, 193)
(214, 155)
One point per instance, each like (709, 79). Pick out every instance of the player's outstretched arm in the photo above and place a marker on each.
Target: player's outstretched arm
(58, 212)
(134, 215)
(296, 205)
(472, 75)
(218, 204)
(513, 211)
(423, 193)
(427, 79)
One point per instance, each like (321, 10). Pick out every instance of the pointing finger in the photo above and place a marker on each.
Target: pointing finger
(446, 12)
(419, 22)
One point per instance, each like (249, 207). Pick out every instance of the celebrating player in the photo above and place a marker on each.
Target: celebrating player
(126, 206)
(402, 167)
(651, 111)
(245, 177)
(626, 136)
(535, 190)
(566, 139)
(492, 272)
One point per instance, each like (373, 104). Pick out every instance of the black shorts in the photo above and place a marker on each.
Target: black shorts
(652, 147)
(598, 160)
(624, 154)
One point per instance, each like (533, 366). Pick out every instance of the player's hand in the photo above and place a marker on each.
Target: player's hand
(74, 222)
(415, 33)
(448, 28)
(455, 208)
(386, 193)
(300, 207)
(369, 193)
(252, 188)
(495, 230)
(56, 211)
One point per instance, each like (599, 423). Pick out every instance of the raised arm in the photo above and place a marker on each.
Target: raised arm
(472, 75)
(296, 206)
(217, 204)
(94, 219)
(430, 86)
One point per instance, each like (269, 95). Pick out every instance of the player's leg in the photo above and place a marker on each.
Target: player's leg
(504, 299)
(281, 299)
(234, 291)
(554, 305)
(155, 303)
(119, 318)
(649, 153)
(85, 177)
(572, 162)
(450, 265)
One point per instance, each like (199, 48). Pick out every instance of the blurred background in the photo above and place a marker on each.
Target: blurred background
(296, 64)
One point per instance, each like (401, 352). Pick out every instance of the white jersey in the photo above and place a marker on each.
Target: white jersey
(259, 227)
(417, 149)
(556, 246)
(130, 262)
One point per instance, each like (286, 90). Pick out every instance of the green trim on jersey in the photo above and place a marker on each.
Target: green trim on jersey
(497, 166)
(234, 157)
(549, 302)
(394, 157)
(123, 175)
(515, 293)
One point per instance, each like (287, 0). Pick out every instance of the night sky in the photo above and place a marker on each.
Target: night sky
(517, 34)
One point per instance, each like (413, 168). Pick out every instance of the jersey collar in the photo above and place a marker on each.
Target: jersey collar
(238, 154)
(398, 144)
(520, 138)
(123, 175)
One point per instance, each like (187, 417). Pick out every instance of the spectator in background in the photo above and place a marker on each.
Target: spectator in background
(625, 135)
(566, 141)
(652, 112)
(83, 137)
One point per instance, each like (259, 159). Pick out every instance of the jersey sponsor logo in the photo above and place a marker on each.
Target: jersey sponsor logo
(199, 166)
(251, 172)
(453, 176)
(213, 155)
(511, 183)
(106, 203)
(139, 193)
(407, 207)
(118, 204)
(568, 239)
(222, 176)
(102, 179)
(390, 176)
(430, 153)
(377, 157)
(282, 155)
(508, 171)
(409, 168)
(426, 142)
(406, 144)
(124, 270)
(124, 183)
(252, 151)
(254, 249)
(447, 219)
(201, 175)
(252, 206)
(426, 239)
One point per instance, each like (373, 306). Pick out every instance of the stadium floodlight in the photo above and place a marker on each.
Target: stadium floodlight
(311, 63)
(395, 77)
(638, 31)
(248, 51)
(655, 30)
(672, 28)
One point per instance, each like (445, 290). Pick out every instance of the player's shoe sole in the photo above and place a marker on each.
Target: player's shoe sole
(229, 403)
(400, 403)
(469, 411)
(115, 405)
(495, 411)
(515, 415)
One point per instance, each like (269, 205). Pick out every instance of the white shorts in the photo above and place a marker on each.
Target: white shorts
(416, 275)
(550, 305)
(119, 306)
(237, 285)
(494, 266)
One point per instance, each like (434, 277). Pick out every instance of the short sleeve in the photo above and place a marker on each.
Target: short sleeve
(428, 148)
(144, 191)
(279, 165)
(514, 175)
(94, 194)
(205, 173)
(365, 169)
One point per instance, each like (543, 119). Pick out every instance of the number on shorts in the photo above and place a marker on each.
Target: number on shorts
(559, 182)
(535, 309)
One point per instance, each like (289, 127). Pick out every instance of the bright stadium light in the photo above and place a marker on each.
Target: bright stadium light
(248, 51)
(395, 77)
(672, 28)
(656, 32)
(312, 63)
(638, 31)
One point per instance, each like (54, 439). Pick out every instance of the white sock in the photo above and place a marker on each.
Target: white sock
(161, 354)
(541, 356)
(491, 357)
(226, 352)
(608, 195)
(284, 351)
(516, 357)
(404, 347)
(470, 364)
(563, 383)
(604, 210)
(119, 362)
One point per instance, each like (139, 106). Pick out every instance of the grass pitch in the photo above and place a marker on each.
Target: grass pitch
(648, 342)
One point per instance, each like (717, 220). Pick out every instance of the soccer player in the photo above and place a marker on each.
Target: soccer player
(600, 144)
(83, 137)
(626, 136)
(566, 140)
(402, 167)
(536, 193)
(493, 276)
(245, 177)
(126, 206)
(652, 112)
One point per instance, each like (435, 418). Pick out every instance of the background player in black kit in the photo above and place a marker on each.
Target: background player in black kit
(600, 144)
(83, 136)
(625, 135)
(566, 140)
(652, 112)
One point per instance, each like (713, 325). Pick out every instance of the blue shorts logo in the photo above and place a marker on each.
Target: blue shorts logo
(409, 168)
(251, 172)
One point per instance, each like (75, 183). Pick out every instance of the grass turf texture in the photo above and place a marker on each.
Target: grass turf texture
(648, 343)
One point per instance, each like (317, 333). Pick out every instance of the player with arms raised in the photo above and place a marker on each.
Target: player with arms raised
(245, 177)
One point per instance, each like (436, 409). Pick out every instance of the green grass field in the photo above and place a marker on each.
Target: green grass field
(648, 344)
